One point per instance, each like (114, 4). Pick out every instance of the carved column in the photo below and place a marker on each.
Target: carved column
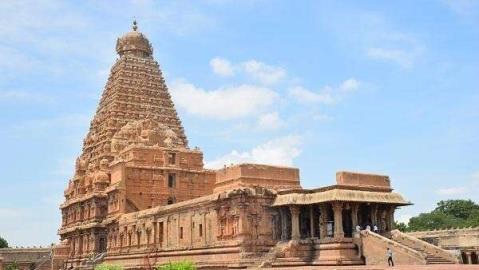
(390, 218)
(354, 215)
(374, 214)
(192, 230)
(338, 220)
(243, 221)
(295, 235)
(178, 240)
(284, 223)
(155, 232)
(323, 221)
(203, 234)
(311, 221)
(469, 258)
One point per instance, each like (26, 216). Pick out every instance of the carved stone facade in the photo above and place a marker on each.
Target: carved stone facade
(140, 196)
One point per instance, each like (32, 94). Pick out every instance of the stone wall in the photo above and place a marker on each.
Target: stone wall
(218, 229)
(363, 180)
(244, 175)
(26, 258)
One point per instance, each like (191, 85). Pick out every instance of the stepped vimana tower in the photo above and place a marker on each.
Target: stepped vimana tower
(140, 196)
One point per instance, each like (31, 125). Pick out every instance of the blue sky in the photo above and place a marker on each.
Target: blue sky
(385, 87)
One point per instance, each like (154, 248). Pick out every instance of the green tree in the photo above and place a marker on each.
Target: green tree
(401, 226)
(461, 209)
(184, 265)
(447, 214)
(3, 243)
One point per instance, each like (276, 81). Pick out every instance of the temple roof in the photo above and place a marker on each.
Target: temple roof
(134, 43)
(337, 194)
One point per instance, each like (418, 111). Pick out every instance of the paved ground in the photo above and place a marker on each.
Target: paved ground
(402, 267)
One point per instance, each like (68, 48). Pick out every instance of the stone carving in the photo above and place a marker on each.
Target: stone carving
(145, 132)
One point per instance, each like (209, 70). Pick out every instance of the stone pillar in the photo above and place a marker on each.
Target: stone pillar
(354, 215)
(178, 240)
(295, 235)
(469, 258)
(74, 246)
(374, 215)
(155, 232)
(311, 221)
(203, 234)
(243, 221)
(323, 221)
(338, 220)
(390, 218)
(284, 223)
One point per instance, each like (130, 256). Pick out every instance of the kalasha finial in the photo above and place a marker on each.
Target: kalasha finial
(135, 26)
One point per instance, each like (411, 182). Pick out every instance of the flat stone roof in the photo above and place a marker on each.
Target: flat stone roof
(334, 193)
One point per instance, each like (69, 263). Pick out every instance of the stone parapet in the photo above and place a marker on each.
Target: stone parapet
(244, 175)
(363, 179)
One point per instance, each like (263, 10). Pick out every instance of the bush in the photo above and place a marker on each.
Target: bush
(105, 266)
(185, 265)
(12, 266)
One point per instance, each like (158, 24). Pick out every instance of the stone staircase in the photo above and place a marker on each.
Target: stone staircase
(433, 254)
(311, 252)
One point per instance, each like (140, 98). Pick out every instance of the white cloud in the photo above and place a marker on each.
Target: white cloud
(327, 95)
(281, 151)
(349, 85)
(304, 95)
(452, 191)
(222, 66)
(269, 121)
(266, 74)
(398, 56)
(262, 72)
(223, 103)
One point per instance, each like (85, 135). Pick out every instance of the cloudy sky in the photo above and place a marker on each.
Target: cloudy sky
(322, 85)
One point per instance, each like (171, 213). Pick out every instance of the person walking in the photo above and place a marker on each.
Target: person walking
(389, 254)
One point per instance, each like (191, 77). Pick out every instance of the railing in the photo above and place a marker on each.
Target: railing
(427, 247)
(414, 253)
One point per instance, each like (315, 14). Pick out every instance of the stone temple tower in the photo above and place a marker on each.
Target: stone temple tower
(135, 155)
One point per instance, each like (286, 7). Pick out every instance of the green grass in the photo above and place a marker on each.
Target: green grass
(184, 265)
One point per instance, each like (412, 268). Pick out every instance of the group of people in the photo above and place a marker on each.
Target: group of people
(368, 228)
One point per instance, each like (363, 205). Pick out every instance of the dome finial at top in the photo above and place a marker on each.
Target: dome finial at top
(135, 25)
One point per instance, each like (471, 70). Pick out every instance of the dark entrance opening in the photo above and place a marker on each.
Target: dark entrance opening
(474, 258)
(364, 216)
(102, 244)
(330, 221)
(304, 222)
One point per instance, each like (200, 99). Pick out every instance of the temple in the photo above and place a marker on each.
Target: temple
(140, 196)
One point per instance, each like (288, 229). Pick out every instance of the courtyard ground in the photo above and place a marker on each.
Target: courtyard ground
(400, 267)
